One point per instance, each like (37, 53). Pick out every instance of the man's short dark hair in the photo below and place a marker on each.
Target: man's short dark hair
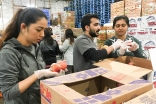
(86, 20)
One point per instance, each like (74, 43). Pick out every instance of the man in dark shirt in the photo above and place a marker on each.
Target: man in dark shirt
(85, 51)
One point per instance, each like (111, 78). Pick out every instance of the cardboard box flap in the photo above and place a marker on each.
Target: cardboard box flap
(146, 98)
(139, 81)
(140, 62)
(75, 77)
(129, 70)
(119, 77)
(114, 93)
(52, 94)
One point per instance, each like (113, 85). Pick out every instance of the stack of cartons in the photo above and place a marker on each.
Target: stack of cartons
(57, 32)
(144, 29)
(56, 19)
(109, 30)
(117, 8)
(148, 7)
(68, 19)
(77, 31)
(101, 37)
(133, 8)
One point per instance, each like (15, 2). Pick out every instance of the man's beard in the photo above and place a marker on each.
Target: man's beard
(93, 33)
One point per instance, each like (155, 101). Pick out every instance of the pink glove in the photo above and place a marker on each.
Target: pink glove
(133, 47)
(124, 47)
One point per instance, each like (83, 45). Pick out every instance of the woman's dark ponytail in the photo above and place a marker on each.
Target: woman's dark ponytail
(27, 16)
(12, 30)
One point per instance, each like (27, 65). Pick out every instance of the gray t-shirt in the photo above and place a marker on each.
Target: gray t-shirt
(82, 44)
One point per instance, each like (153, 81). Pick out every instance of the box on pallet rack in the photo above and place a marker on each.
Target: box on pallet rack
(101, 37)
(68, 19)
(148, 7)
(77, 31)
(57, 32)
(109, 30)
(117, 8)
(148, 21)
(92, 87)
(133, 8)
(144, 29)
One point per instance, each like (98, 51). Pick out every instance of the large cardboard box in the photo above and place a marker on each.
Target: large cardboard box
(133, 8)
(148, 7)
(147, 98)
(120, 64)
(93, 86)
(140, 66)
(117, 9)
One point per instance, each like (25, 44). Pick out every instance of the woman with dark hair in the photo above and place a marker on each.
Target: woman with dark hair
(49, 48)
(21, 60)
(130, 46)
(67, 49)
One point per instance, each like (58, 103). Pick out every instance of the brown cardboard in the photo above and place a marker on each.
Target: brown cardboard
(146, 98)
(118, 65)
(119, 99)
(118, 77)
(140, 62)
(89, 86)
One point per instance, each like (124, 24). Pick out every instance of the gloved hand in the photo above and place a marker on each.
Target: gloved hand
(45, 73)
(124, 47)
(62, 72)
(133, 47)
(117, 44)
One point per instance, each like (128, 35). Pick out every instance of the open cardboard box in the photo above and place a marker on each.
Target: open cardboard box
(146, 98)
(140, 66)
(93, 86)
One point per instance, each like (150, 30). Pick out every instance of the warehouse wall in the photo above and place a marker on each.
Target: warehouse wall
(9, 7)
(6, 12)
(58, 6)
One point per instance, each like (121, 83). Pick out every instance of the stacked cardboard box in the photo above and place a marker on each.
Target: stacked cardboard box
(57, 32)
(109, 30)
(56, 19)
(133, 8)
(77, 31)
(117, 9)
(148, 7)
(101, 37)
(144, 29)
(68, 19)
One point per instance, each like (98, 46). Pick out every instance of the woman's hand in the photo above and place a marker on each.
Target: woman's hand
(133, 47)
